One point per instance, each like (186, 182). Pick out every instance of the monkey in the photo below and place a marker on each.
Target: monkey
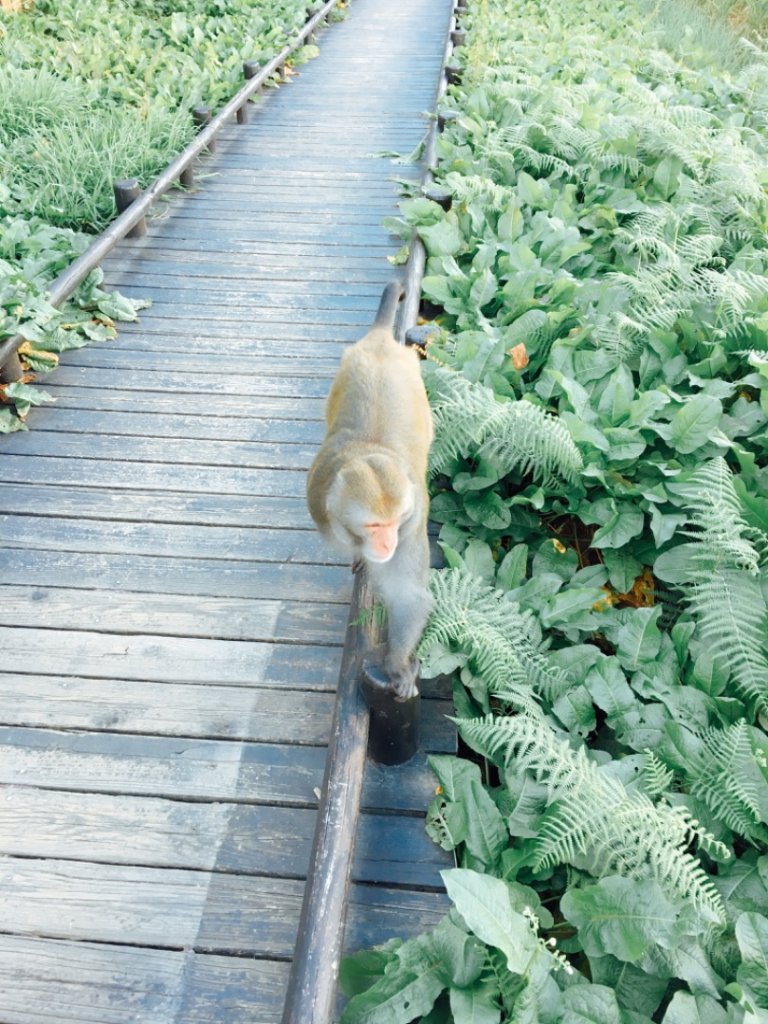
(366, 488)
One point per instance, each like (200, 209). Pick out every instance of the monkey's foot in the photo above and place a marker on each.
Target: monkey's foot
(404, 681)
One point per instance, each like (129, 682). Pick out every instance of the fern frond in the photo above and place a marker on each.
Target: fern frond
(502, 642)
(728, 780)
(717, 520)
(657, 778)
(471, 422)
(593, 819)
(731, 622)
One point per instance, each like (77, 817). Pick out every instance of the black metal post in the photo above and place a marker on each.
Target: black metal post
(251, 68)
(127, 192)
(11, 370)
(393, 732)
(201, 116)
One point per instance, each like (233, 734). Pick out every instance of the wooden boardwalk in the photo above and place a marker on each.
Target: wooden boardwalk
(170, 623)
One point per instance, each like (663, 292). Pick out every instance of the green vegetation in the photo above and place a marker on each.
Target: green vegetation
(90, 93)
(600, 391)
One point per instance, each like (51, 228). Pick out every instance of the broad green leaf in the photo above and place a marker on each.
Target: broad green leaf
(624, 524)
(695, 423)
(476, 1005)
(687, 1009)
(569, 603)
(483, 289)
(752, 937)
(27, 395)
(589, 1004)
(484, 903)
(462, 955)
(639, 639)
(609, 689)
(513, 568)
(443, 238)
(407, 991)
(621, 917)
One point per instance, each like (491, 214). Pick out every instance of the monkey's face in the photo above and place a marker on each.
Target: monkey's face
(380, 540)
(368, 506)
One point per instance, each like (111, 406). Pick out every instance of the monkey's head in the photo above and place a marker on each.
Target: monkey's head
(369, 500)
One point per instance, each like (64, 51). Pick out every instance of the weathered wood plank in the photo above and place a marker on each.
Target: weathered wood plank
(61, 419)
(151, 506)
(172, 709)
(246, 482)
(175, 659)
(50, 982)
(220, 407)
(291, 269)
(257, 454)
(240, 838)
(195, 769)
(151, 360)
(213, 618)
(143, 574)
(176, 909)
(170, 540)
(207, 383)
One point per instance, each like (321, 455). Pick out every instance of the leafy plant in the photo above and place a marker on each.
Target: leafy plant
(599, 383)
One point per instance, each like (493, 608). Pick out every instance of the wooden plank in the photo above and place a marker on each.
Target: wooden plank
(227, 288)
(45, 981)
(48, 982)
(180, 380)
(222, 407)
(171, 659)
(233, 345)
(175, 909)
(195, 769)
(234, 838)
(152, 360)
(170, 540)
(246, 482)
(114, 448)
(151, 506)
(291, 269)
(369, 254)
(215, 618)
(61, 419)
(143, 574)
(173, 709)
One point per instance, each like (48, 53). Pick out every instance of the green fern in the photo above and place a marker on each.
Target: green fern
(592, 819)
(730, 615)
(727, 778)
(717, 522)
(657, 778)
(515, 436)
(723, 589)
(502, 643)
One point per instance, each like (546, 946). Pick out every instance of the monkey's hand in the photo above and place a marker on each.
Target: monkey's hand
(357, 565)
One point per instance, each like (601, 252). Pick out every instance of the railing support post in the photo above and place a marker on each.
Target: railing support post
(393, 731)
(11, 370)
(126, 192)
(251, 68)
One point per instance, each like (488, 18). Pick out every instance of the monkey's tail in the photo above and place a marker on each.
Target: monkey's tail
(385, 315)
